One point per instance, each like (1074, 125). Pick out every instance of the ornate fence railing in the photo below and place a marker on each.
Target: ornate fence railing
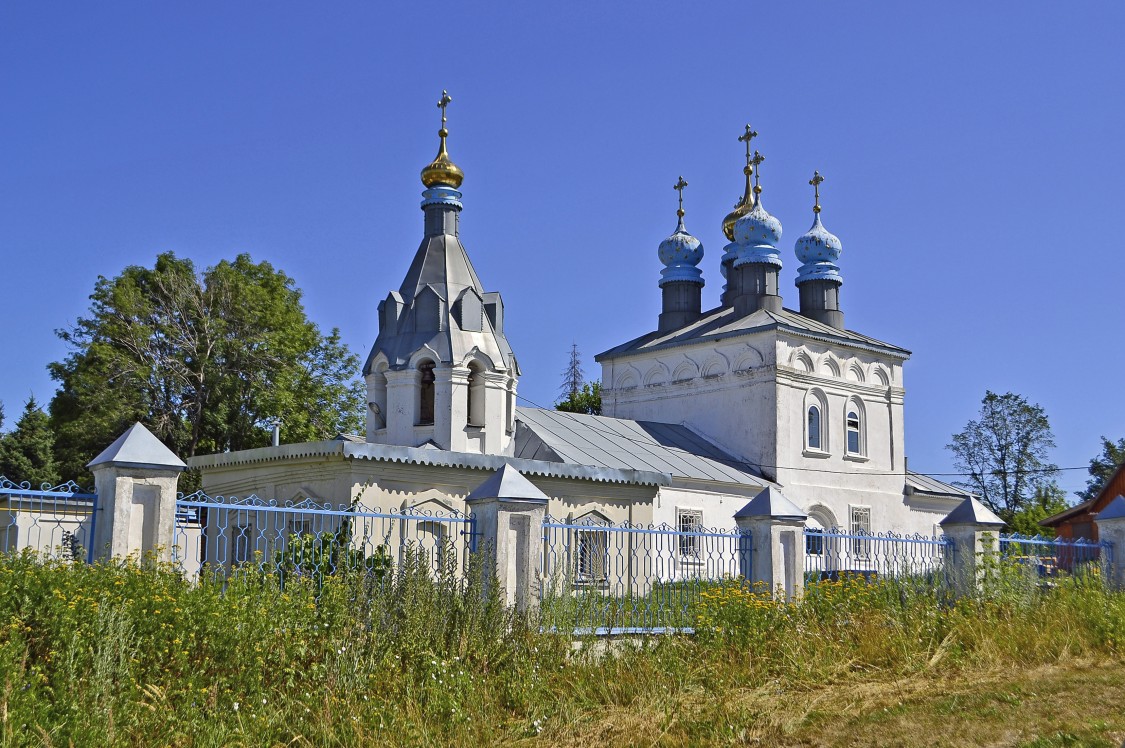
(604, 578)
(220, 535)
(1050, 557)
(56, 521)
(830, 554)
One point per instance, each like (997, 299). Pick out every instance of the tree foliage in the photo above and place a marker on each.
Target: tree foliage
(27, 451)
(207, 361)
(1048, 500)
(1103, 467)
(573, 377)
(588, 400)
(1004, 453)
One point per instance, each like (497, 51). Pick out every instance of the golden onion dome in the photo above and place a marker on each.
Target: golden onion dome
(441, 170)
(744, 206)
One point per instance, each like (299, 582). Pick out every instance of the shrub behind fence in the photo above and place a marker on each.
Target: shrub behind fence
(612, 578)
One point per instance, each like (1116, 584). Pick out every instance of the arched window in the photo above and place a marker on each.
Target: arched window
(816, 423)
(475, 395)
(854, 430)
(377, 397)
(814, 427)
(426, 393)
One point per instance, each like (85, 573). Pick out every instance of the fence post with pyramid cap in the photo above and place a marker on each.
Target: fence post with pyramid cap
(136, 479)
(508, 512)
(777, 543)
(973, 533)
(1111, 532)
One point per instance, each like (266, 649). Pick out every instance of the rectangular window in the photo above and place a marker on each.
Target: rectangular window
(593, 566)
(689, 521)
(814, 427)
(302, 527)
(814, 544)
(861, 525)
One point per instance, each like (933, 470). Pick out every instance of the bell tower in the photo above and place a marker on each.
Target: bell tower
(441, 371)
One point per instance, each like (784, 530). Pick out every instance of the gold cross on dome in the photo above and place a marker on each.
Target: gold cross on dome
(446, 100)
(746, 138)
(815, 182)
(756, 162)
(679, 187)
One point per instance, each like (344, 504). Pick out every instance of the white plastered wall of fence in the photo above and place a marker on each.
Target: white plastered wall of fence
(395, 505)
(48, 529)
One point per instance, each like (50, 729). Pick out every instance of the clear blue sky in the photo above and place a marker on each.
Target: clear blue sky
(973, 153)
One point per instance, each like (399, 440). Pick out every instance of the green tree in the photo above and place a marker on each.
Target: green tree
(588, 400)
(207, 361)
(1103, 467)
(1004, 453)
(573, 376)
(27, 451)
(1048, 500)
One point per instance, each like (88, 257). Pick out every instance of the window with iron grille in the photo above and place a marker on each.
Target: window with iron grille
(814, 544)
(592, 560)
(861, 525)
(689, 521)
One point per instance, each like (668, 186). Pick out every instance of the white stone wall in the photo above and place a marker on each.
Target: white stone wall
(750, 396)
(393, 403)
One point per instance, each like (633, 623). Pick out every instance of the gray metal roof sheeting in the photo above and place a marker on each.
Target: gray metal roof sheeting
(722, 323)
(139, 447)
(925, 484)
(429, 456)
(618, 443)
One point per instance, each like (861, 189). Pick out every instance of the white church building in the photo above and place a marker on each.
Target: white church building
(699, 414)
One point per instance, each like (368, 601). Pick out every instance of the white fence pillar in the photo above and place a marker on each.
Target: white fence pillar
(777, 543)
(136, 479)
(973, 532)
(1111, 529)
(508, 512)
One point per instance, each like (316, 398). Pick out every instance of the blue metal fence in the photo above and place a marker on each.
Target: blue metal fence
(1050, 557)
(57, 521)
(607, 578)
(219, 535)
(832, 553)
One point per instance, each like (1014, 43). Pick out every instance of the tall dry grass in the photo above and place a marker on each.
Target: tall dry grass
(132, 654)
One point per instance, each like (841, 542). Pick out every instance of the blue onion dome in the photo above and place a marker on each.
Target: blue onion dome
(818, 244)
(681, 247)
(818, 248)
(680, 253)
(757, 227)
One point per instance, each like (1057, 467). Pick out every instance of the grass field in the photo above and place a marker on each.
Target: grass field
(131, 654)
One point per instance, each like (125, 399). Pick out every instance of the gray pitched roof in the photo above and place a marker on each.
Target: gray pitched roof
(971, 512)
(771, 503)
(138, 447)
(623, 444)
(1114, 510)
(507, 483)
(429, 455)
(920, 483)
(441, 267)
(722, 322)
